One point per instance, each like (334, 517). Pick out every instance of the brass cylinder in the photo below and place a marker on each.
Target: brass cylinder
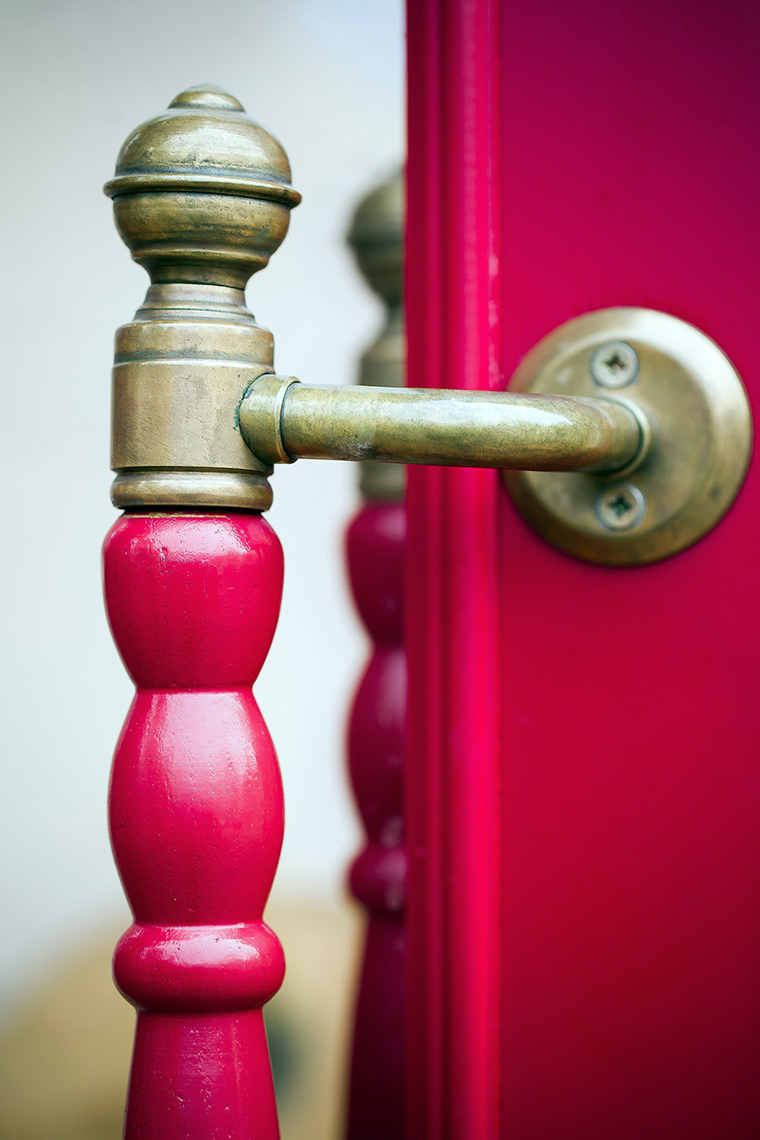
(179, 370)
(283, 420)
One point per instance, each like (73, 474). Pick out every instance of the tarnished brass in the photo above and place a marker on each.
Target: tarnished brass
(377, 238)
(202, 197)
(201, 192)
(695, 465)
(283, 420)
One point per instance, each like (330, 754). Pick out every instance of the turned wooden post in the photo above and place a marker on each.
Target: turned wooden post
(193, 577)
(375, 549)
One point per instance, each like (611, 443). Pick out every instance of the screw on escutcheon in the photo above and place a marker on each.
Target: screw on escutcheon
(614, 365)
(620, 507)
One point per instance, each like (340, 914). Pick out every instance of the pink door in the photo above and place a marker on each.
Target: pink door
(584, 770)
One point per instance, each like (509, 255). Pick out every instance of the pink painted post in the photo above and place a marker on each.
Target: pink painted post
(196, 819)
(193, 577)
(375, 549)
(453, 602)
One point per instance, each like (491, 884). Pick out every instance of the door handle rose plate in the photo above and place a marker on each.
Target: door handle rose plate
(698, 458)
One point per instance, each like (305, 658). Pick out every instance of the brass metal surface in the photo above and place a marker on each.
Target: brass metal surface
(202, 192)
(438, 426)
(698, 457)
(377, 238)
(202, 198)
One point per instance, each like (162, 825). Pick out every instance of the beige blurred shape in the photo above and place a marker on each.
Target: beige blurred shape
(64, 1057)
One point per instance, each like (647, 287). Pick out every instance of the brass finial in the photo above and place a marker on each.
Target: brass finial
(202, 198)
(201, 192)
(377, 238)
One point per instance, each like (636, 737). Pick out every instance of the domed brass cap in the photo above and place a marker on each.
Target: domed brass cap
(201, 192)
(377, 237)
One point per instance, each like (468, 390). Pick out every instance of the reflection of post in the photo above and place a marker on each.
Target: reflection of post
(375, 543)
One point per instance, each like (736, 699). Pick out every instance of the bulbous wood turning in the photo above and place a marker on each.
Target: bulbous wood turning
(196, 819)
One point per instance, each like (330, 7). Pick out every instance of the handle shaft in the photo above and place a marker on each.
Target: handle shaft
(282, 420)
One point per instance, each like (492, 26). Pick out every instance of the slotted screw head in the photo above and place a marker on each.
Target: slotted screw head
(614, 365)
(620, 506)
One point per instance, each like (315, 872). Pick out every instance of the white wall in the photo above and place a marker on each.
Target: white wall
(324, 76)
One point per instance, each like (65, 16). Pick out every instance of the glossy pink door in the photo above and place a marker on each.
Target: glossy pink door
(584, 762)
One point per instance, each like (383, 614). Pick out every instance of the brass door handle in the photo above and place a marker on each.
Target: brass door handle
(282, 420)
(202, 197)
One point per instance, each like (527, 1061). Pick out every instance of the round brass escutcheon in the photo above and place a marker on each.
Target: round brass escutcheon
(696, 463)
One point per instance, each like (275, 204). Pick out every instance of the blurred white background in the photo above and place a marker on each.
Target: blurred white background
(325, 77)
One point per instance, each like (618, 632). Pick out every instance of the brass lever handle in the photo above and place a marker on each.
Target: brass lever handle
(193, 375)
(282, 420)
(202, 197)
